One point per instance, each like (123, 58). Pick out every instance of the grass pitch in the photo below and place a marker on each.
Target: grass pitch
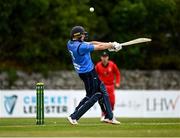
(90, 127)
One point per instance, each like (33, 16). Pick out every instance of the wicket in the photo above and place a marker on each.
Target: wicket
(40, 103)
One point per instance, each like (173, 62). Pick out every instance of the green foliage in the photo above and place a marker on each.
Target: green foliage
(34, 33)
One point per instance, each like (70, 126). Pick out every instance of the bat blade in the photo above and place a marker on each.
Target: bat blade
(136, 41)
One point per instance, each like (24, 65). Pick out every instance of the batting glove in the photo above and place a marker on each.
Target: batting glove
(116, 47)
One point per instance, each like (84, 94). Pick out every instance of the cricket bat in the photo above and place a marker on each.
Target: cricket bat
(136, 41)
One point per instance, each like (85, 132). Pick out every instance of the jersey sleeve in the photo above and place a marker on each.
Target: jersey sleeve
(117, 73)
(86, 47)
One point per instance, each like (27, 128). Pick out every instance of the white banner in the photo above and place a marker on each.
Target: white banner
(61, 103)
(57, 103)
(148, 104)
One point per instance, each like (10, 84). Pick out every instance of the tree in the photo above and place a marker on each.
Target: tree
(34, 33)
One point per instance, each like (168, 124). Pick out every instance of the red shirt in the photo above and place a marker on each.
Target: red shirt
(109, 74)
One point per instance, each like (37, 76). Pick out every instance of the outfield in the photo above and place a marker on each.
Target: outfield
(90, 127)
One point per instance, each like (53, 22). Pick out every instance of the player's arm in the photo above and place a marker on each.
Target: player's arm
(102, 45)
(111, 46)
(117, 75)
(96, 42)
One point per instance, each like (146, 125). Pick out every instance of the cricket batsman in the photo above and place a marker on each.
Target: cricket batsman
(80, 51)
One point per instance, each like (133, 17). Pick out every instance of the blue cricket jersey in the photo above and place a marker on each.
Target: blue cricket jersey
(81, 55)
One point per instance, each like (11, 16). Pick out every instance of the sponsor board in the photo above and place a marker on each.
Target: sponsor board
(61, 103)
(57, 103)
(137, 103)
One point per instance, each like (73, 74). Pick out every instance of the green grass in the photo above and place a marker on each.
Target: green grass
(89, 127)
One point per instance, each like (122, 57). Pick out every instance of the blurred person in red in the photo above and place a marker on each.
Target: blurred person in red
(109, 73)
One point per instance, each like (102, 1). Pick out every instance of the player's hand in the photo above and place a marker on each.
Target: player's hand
(116, 47)
(117, 85)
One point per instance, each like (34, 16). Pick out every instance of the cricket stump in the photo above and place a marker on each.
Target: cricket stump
(40, 103)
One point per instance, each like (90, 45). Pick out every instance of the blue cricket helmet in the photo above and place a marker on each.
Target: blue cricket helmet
(77, 31)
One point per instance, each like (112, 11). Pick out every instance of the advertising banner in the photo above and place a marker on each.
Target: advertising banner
(147, 103)
(57, 103)
(61, 103)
